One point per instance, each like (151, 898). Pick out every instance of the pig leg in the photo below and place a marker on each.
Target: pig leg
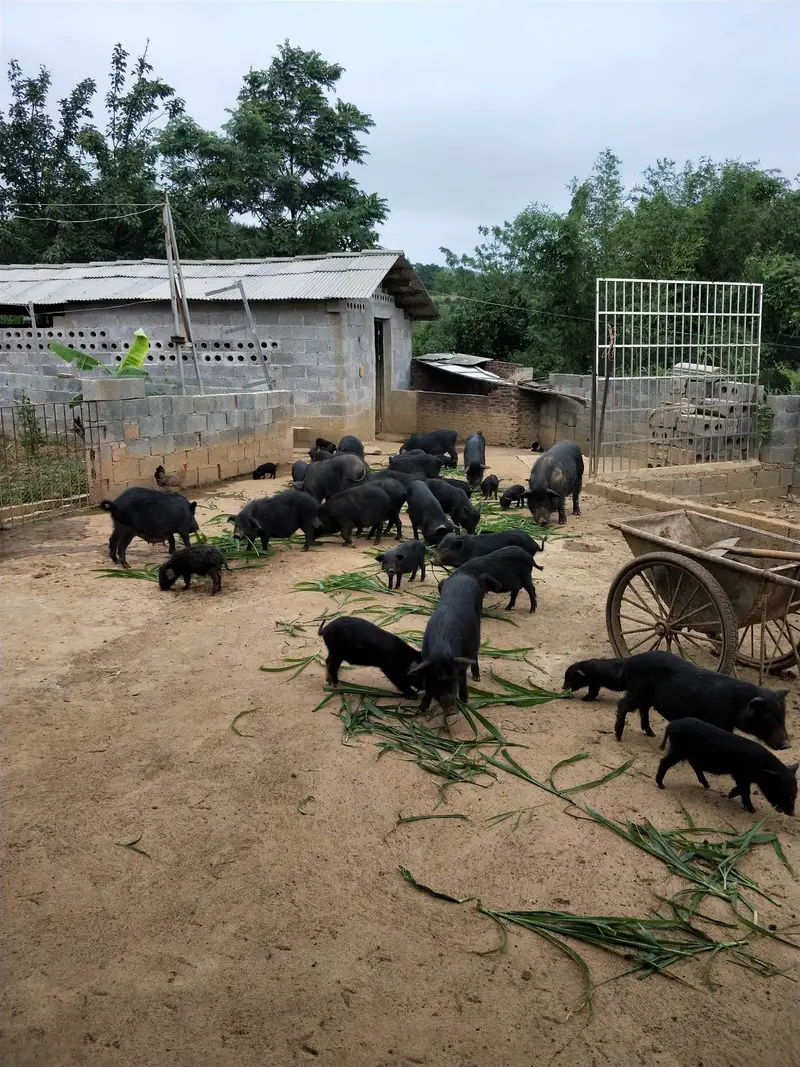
(512, 599)
(122, 547)
(216, 580)
(668, 761)
(112, 546)
(309, 536)
(425, 703)
(644, 718)
(576, 506)
(593, 691)
(626, 704)
(530, 589)
(422, 567)
(264, 542)
(463, 692)
(347, 534)
(475, 671)
(332, 665)
(742, 789)
(170, 544)
(562, 513)
(186, 542)
(391, 581)
(700, 776)
(415, 528)
(187, 581)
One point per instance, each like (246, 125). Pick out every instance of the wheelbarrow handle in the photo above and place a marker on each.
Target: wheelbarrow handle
(765, 553)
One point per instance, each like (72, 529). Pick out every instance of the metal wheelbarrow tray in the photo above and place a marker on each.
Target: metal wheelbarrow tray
(682, 594)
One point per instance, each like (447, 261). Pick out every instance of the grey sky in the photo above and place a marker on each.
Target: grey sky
(480, 107)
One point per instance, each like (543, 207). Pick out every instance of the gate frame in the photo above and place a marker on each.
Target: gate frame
(722, 319)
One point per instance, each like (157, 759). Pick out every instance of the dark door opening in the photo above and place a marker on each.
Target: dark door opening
(379, 386)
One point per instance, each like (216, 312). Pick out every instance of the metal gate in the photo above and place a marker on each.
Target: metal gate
(49, 458)
(675, 376)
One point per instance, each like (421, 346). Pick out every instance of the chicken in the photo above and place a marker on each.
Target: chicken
(170, 481)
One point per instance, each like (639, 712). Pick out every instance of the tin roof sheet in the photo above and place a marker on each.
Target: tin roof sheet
(337, 276)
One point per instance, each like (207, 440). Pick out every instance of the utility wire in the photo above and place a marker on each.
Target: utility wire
(512, 307)
(84, 222)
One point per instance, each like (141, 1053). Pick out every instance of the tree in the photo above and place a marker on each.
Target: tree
(282, 158)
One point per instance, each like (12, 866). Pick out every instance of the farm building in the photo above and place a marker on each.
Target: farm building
(334, 330)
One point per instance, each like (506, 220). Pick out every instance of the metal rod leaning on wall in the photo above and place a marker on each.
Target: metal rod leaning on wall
(173, 297)
(609, 358)
(593, 414)
(181, 289)
(252, 322)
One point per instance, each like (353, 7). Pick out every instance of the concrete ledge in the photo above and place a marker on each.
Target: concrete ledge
(658, 502)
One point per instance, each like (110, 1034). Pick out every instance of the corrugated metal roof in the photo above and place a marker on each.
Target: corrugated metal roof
(338, 276)
(477, 374)
(458, 359)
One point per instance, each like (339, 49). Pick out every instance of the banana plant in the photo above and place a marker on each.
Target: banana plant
(129, 367)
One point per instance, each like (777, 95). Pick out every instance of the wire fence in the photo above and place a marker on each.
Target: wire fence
(49, 456)
(676, 372)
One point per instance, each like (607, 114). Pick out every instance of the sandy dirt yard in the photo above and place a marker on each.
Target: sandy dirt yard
(257, 933)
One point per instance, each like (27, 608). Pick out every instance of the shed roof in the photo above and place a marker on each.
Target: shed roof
(464, 367)
(336, 276)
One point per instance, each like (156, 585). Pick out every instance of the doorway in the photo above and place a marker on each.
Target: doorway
(379, 379)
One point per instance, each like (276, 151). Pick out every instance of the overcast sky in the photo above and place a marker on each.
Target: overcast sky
(480, 108)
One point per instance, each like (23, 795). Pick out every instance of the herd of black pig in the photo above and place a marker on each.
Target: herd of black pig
(335, 492)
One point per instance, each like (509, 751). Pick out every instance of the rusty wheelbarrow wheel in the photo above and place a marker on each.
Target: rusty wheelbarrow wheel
(667, 602)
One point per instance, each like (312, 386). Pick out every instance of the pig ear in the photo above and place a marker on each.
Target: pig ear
(793, 768)
(782, 694)
(231, 518)
(192, 506)
(464, 661)
(169, 573)
(381, 557)
(553, 494)
(421, 666)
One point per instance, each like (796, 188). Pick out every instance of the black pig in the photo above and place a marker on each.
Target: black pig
(407, 558)
(511, 569)
(299, 468)
(436, 443)
(515, 494)
(426, 513)
(325, 446)
(490, 486)
(458, 483)
(317, 455)
(416, 463)
(276, 516)
(707, 748)
(475, 458)
(265, 470)
(152, 515)
(455, 503)
(597, 674)
(324, 480)
(199, 559)
(366, 506)
(453, 550)
(678, 689)
(351, 444)
(451, 642)
(557, 474)
(362, 643)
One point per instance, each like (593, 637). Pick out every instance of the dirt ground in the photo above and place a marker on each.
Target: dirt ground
(256, 934)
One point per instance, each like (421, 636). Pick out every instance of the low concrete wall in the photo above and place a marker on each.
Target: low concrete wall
(725, 483)
(219, 435)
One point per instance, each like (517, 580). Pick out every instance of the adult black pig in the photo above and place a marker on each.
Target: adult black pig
(437, 443)
(299, 468)
(451, 641)
(511, 569)
(416, 462)
(557, 474)
(276, 516)
(150, 514)
(677, 688)
(426, 513)
(455, 503)
(475, 458)
(352, 445)
(362, 507)
(453, 550)
(324, 480)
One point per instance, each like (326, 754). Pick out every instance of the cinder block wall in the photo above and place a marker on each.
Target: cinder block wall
(782, 449)
(219, 435)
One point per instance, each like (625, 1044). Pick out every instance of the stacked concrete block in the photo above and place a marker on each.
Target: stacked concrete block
(216, 436)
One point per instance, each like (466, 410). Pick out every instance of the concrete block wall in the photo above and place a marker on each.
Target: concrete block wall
(782, 449)
(38, 388)
(730, 482)
(218, 436)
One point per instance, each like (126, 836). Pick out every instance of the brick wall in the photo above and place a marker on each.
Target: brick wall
(219, 435)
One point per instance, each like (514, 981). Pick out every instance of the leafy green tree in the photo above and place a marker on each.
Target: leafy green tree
(282, 158)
